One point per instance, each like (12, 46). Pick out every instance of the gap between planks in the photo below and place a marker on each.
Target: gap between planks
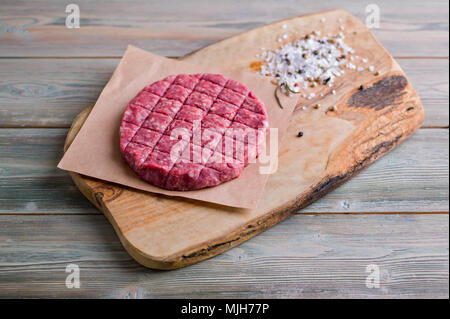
(176, 57)
(294, 214)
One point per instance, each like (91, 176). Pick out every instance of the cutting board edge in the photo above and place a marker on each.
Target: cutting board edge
(187, 256)
(323, 185)
(214, 247)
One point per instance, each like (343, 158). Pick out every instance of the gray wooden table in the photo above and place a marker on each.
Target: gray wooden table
(394, 215)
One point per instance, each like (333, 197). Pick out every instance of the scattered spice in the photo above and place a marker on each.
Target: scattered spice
(288, 89)
(313, 59)
(305, 63)
(256, 66)
(277, 98)
(361, 88)
(316, 107)
(377, 73)
(332, 108)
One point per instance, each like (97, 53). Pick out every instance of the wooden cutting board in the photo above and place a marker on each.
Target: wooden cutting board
(165, 232)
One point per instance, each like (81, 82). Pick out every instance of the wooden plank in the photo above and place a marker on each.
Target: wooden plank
(29, 179)
(305, 256)
(172, 28)
(51, 92)
(430, 78)
(412, 178)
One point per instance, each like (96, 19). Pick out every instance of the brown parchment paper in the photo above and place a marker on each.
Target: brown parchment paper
(95, 151)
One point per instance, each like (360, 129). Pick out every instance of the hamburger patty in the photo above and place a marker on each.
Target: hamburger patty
(188, 132)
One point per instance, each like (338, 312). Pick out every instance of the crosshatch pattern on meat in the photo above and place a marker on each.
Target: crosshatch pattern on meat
(222, 108)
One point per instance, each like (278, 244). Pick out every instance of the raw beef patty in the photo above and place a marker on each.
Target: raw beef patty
(188, 132)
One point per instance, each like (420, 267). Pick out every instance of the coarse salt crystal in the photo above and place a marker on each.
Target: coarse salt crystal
(371, 68)
(307, 62)
(284, 26)
(324, 20)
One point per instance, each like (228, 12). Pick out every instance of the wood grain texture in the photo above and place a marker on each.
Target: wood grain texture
(30, 183)
(34, 250)
(50, 92)
(305, 256)
(29, 180)
(430, 78)
(174, 28)
(167, 233)
(47, 92)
